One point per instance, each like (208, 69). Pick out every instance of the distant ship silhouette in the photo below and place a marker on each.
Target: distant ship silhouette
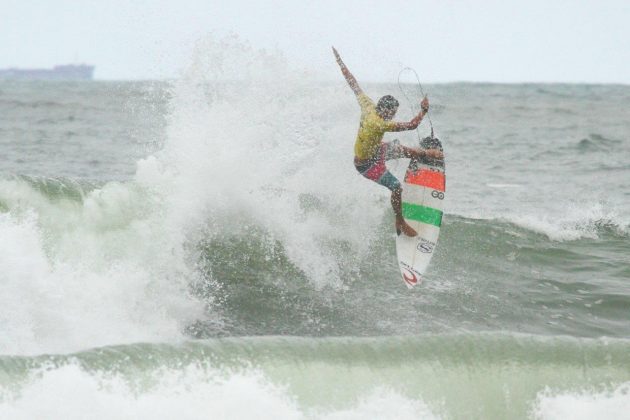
(63, 72)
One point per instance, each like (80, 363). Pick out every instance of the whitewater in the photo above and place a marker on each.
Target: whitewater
(204, 248)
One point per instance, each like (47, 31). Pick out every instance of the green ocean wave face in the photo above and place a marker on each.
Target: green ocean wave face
(204, 248)
(551, 285)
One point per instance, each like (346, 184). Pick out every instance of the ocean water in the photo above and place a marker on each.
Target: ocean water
(204, 248)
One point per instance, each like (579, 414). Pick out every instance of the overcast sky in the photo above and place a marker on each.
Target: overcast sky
(445, 40)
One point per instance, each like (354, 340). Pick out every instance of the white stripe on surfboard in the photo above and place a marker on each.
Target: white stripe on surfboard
(424, 196)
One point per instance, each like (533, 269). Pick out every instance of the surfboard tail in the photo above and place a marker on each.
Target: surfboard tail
(411, 276)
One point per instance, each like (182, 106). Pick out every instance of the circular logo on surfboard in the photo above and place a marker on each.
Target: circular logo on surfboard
(410, 279)
(437, 194)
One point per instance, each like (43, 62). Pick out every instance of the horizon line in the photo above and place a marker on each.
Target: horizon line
(442, 82)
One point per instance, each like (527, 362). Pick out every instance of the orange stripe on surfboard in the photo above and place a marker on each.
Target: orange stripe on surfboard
(426, 178)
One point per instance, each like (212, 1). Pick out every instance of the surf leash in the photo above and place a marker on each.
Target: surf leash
(409, 100)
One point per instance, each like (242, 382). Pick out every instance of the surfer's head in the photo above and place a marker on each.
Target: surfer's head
(386, 107)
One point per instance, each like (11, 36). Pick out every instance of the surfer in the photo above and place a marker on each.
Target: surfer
(371, 153)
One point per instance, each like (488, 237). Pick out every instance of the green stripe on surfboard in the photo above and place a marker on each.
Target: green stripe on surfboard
(422, 214)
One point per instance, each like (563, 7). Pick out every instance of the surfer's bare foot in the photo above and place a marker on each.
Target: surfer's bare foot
(402, 226)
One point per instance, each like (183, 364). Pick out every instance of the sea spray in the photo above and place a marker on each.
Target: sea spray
(247, 140)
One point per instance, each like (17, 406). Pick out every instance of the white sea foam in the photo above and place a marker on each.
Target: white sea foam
(614, 404)
(385, 404)
(189, 393)
(193, 392)
(572, 222)
(568, 222)
(76, 275)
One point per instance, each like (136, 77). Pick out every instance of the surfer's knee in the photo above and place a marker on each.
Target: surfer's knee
(390, 182)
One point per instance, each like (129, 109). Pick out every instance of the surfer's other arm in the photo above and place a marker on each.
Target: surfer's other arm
(415, 121)
(354, 85)
(411, 153)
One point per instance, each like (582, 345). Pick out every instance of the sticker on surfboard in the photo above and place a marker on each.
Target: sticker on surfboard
(422, 204)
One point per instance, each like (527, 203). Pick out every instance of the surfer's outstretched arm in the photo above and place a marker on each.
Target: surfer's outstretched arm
(415, 121)
(354, 85)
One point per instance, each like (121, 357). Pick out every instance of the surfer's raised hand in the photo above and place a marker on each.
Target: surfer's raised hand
(424, 105)
(338, 57)
(354, 85)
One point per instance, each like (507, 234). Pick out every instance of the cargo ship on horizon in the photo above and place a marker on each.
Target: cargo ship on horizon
(59, 73)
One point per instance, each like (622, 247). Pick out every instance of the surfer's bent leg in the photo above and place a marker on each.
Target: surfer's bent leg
(376, 171)
(401, 225)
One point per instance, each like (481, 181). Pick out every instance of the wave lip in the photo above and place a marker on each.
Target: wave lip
(575, 221)
(430, 376)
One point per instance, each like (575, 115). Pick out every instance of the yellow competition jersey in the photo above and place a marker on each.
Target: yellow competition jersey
(371, 129)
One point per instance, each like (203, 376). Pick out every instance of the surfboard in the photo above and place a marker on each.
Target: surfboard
(422, 203)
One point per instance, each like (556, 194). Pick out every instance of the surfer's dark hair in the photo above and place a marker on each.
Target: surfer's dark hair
(387, 102)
